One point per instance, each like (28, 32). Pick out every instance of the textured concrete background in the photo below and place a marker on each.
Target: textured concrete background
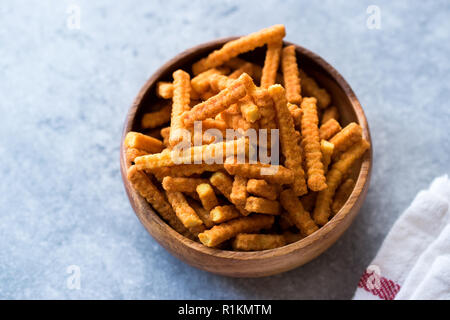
(64, 94)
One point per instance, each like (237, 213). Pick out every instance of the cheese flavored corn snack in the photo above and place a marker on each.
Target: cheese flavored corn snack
(327, 149)
(291, 76)
(297, 214)
(271, 63)
(183, 210)
(224, 213)
(180, 104)
(224, 184)
(143, 142)
(348, 136)
(207, 196)
(262, 205)
(132, 153)
(311, 89)
(330, 113)
(257, 242)
(278, 174)
(179, 184)
(329, 129)
(261, 188)
(342, 194)
(238, 193)
(157, 118)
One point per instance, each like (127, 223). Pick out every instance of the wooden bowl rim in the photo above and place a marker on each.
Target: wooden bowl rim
(322, 233)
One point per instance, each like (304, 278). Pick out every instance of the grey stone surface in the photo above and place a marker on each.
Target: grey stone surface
(64, 95)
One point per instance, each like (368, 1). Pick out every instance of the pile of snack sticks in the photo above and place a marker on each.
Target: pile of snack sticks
(235, 205)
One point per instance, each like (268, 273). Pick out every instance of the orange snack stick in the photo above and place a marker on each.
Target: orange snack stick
(180, 184)
(247, 68)
(291, 237)
(327, 149)
(164, 89)
(296, 114)
(200, 83)
(183, 210)
(347, 137)
(329, 129)
(219, 102)
(271, 63)
(278, 174)
(202, 213)
(291, 75)
(342, 194)
(311, 89)
(311, 145)
(238, 193)
(224, 213)
(284, 221)
(297, 214)
(235, 47)
(145, 187)
(238, 63)
(330, 113)
(143, 142)
(289, 145)
(224, 184)
(132, 153)
(334, 178)
(227, 230)
(262, 205)
(219, 82)
(207, 196)
(234, 119)
(309, 201)
(180, 104)
(157, 118)
(261, 188)
(249, 109)
(165, 134)
(184, 170)
(257, 242)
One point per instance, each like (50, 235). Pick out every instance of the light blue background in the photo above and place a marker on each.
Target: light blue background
(64, 95)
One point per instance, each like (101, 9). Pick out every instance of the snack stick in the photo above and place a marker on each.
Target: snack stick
(200, 83)
(329, 129)
(330, 113)
(145, 187)
(297, 214)
(169, 158)
(207, 196)
(234, 48)
(327, 149)
(278, 174)
(219, 82)
(165, 134)
(202, 213)
(219, 102)
(291, 237)
(192, 195)
(224, 213)
(157, 118)
(291, 75)
(289, 145)
(285, 222)
(311, 145)
(227, 230)
(207, 95)
(235, 120)
(257, 242)
(271, 63)
(180, 184)
(342, 194)
(224, 184)
(311, 89)
(180, 104)
(249, 109)
(335, 175)
(164, 89)
(347, 137)
(237, 63)
(183, 210)
(245, 68)
(261, 188)
(262, 205)
(132, 153)
(296, 114)
(143, 142)
(309, 200)
(184, 170)
(238, 193)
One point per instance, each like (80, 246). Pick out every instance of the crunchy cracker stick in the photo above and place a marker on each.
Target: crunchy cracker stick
(236, 47)
(342, 194)
(249, 109)
(181, 99)
(261, 188)
(132, 153)
(224, 213)
(157, 118)
(311, 88)
(348, 136)
(334, 177)
(145, 187)
(238, 193)
(207, 196)
(271, 63)
(219, 102)
(165, 134)
(309, 201)
(222, 232)
(238, 63)
(224, 184)
(200, 83)
(257, 242)
(184, 170)
(234, 119)
(327, 149)
(297, 214)
(179, 184)
(296, 114)
(329, 129)
(183, 210)
(164, 89)
(289, 145)
(262, 205)
(279, 174)
(247, 68)
(169, 158)
(311, 145)
(291, 237)
(219, 82)
(143, 142)
(290, 74)
(202, 213)
(330, 113)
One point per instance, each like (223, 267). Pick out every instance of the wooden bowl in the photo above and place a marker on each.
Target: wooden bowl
(268, 262)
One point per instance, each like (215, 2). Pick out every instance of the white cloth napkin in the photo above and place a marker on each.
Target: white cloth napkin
(415, 252)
